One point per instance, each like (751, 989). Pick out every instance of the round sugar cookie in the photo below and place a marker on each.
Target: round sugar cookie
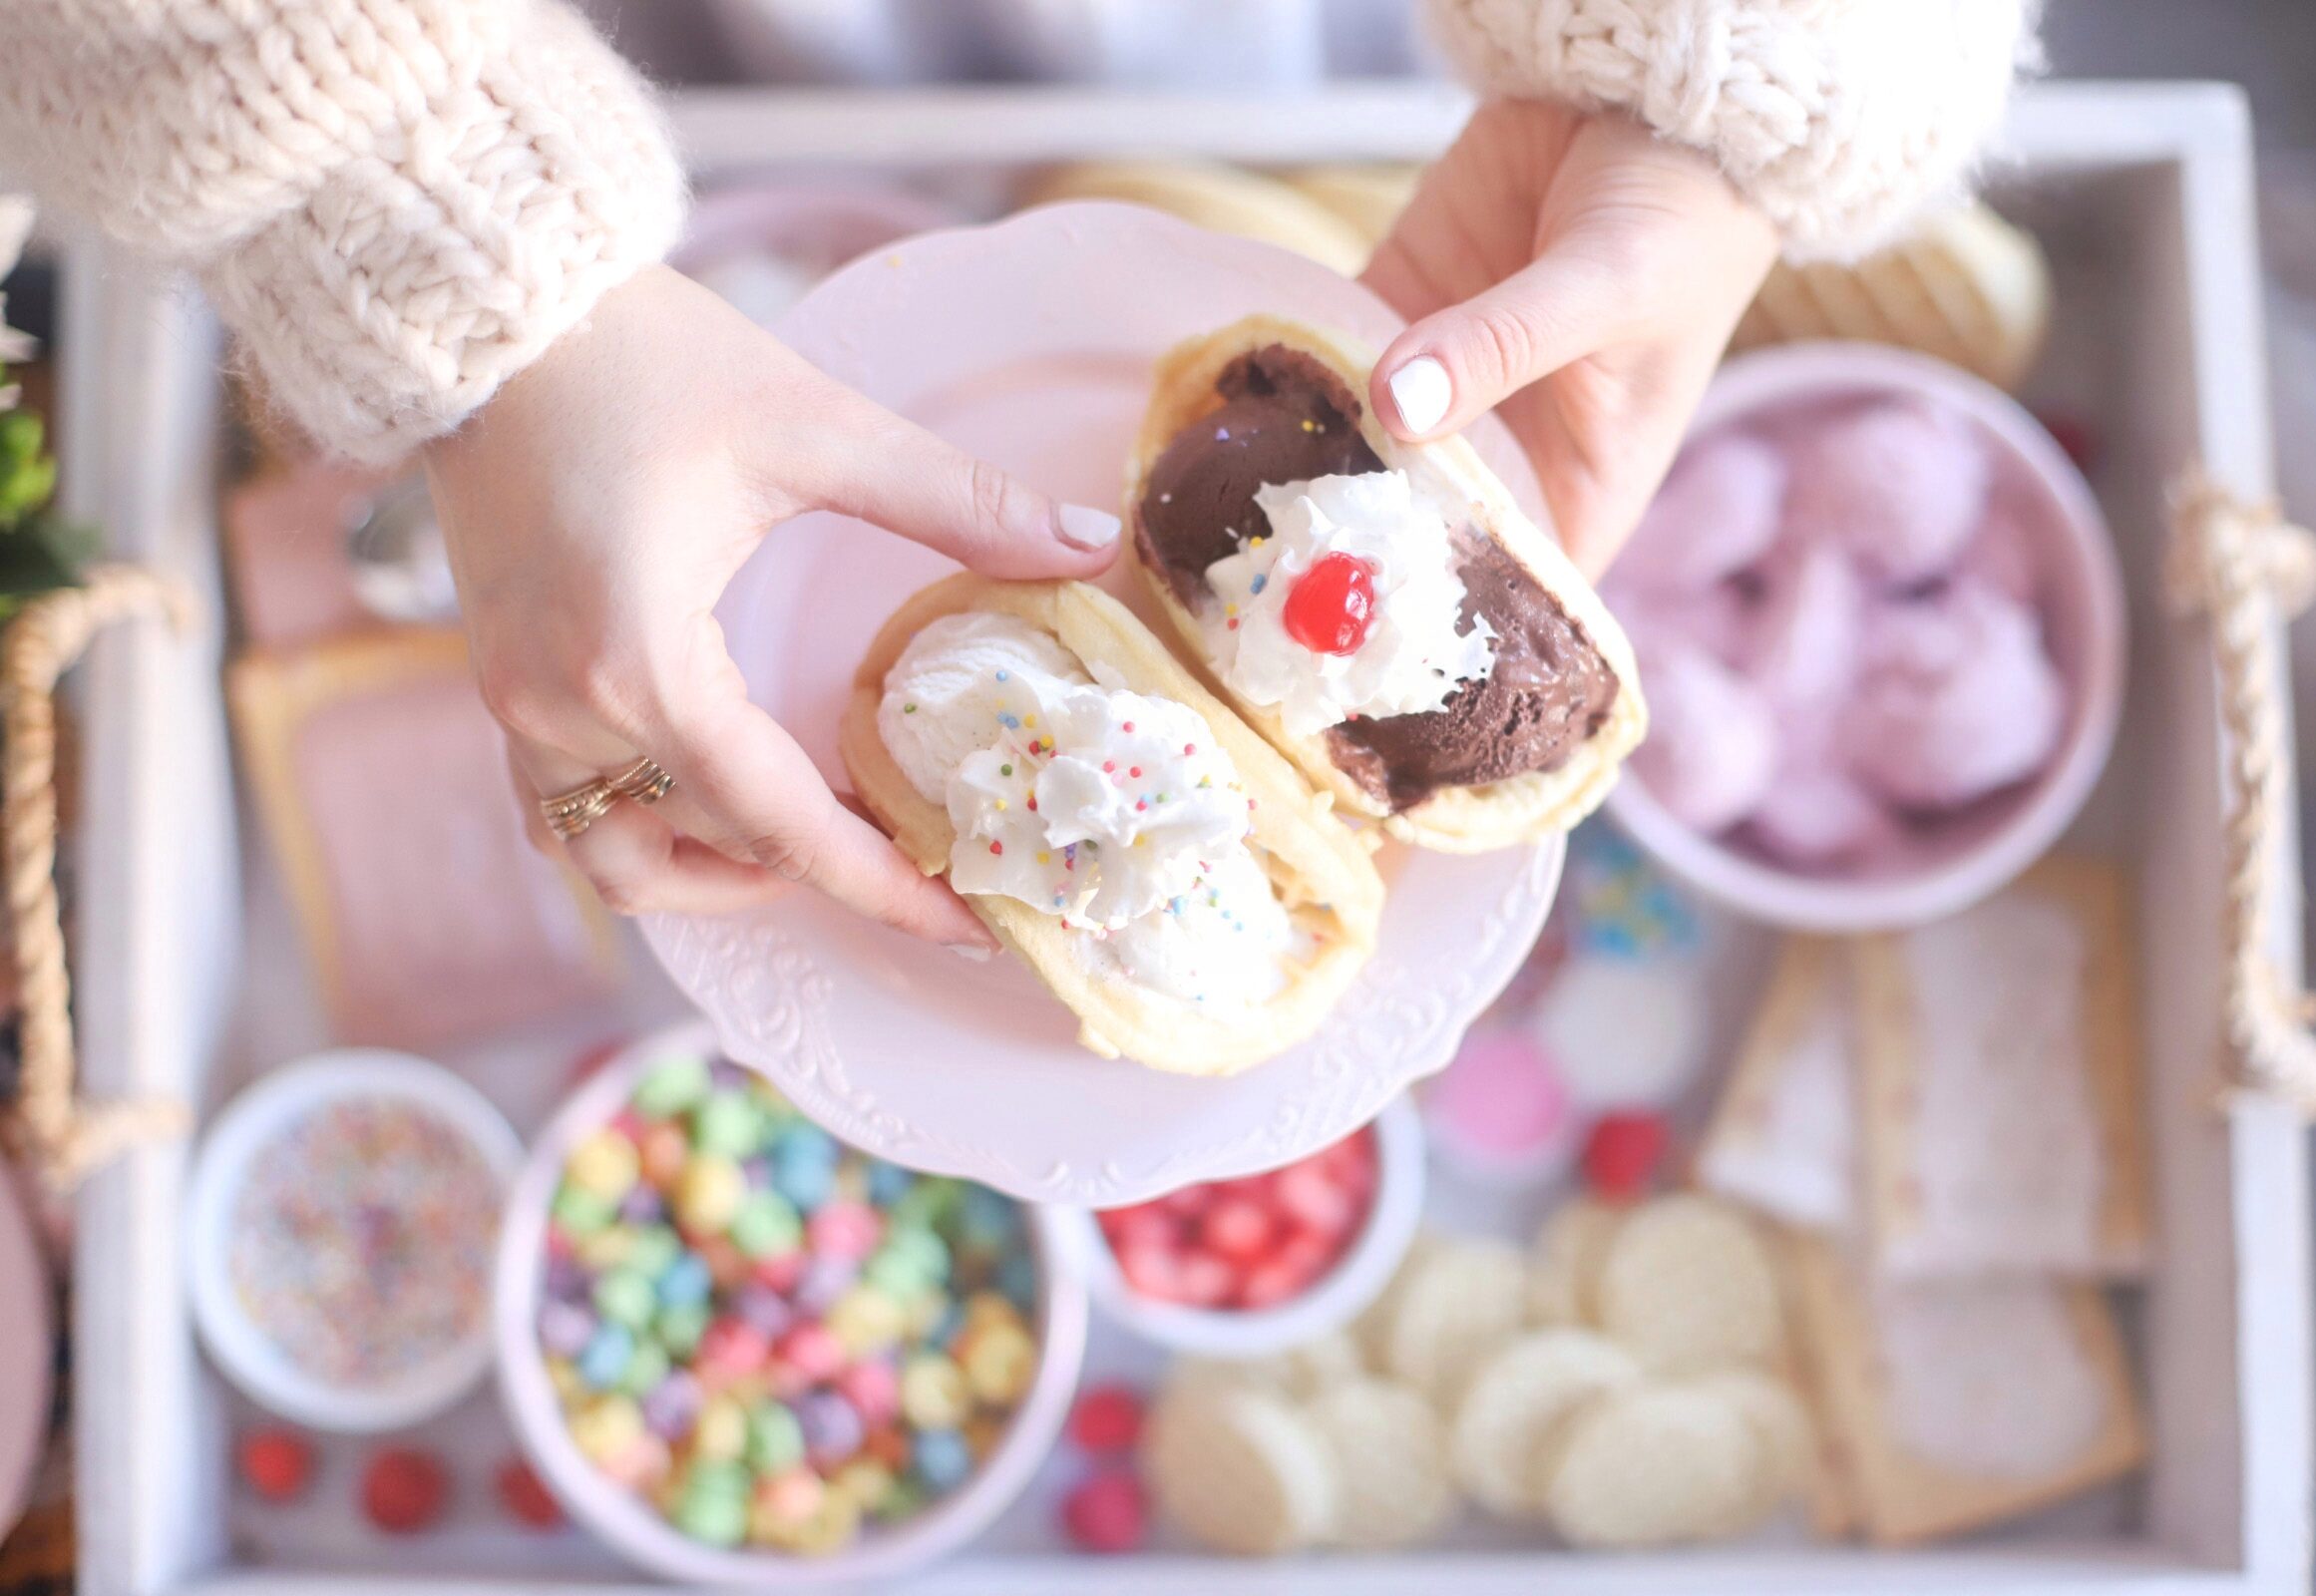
(1650, 1465)
(1392, 1461)
(1564, 1265)
(1515, 1405)
(1312, 1368)
(1238, 1469)
(1688, 1286)
(1371, 1327)
(1460, 1304)
(1783, 1440)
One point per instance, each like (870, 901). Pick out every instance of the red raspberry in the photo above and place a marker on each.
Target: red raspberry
(1205, 1281)
(1309, 1253)
(1352, 1163)
(403, 1489)
(1144, 1225)
(1152, 1272)
(1269, 1285)
(1105, 1513)
(277, 1463)
(1332, 604)
(1189, 1201)
(1237, 1229)
(525, 1500)
(1107, 1419)
(1314, 1197)
(1620, 1154)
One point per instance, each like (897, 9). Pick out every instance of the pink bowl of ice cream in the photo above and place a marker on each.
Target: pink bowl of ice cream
(1881, 627)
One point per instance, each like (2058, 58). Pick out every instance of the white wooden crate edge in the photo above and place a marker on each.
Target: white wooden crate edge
(158, 920)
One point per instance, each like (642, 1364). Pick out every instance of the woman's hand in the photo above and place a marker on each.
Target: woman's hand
(594, 511)
(1581, 274)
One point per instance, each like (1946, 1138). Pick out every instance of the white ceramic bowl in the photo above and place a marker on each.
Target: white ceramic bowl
(2083, 624)
(252, 1359)
(632, 1526)
(1357, 1277)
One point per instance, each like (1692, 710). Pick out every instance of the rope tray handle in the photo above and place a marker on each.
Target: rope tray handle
(60, 1136)
(2239, 563)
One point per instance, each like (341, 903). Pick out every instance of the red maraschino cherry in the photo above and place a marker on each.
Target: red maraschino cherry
(1332, 601)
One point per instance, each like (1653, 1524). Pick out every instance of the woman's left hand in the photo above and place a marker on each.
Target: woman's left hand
(1581, 277)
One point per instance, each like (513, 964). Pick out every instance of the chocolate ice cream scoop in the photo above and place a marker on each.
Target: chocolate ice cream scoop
(1287, 417)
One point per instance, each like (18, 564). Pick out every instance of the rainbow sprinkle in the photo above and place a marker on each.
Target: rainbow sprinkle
(362, 1240)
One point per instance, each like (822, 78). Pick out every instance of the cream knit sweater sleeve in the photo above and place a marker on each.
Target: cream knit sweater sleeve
(1838, 118)
(394, 204)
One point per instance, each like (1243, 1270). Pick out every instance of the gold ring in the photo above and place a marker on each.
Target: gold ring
(571, 813)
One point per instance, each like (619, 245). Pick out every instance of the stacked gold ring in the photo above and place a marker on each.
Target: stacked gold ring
(568, 814)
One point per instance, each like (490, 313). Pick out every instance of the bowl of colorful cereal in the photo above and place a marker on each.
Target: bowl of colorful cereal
(1240, 1268)
(339, 1230)
(746, 1354)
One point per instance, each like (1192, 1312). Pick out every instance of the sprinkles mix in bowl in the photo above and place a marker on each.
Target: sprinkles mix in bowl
(772, 1338)
(361, 1240)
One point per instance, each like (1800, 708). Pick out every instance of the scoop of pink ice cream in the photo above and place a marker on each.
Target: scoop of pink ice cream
(2002, 556)
(1717, 619)
(1717, 514)
(1901, 485)
(1712, 743)
(1817, 816)
(1958, 699)
(1802, 647)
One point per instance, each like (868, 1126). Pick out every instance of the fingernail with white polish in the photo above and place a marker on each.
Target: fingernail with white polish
(1087, 529)
(971, 951)
(1421, 393)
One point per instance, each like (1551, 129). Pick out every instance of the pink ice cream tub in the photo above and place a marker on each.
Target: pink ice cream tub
(1925, 869)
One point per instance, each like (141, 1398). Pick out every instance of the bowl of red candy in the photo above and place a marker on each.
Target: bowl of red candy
(1239, 1268)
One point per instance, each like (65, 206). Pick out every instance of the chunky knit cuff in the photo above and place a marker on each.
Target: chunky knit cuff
(394, 204)
(1839, 119)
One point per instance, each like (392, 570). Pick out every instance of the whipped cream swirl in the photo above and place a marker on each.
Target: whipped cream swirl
(1114, 811)
(1411, 658)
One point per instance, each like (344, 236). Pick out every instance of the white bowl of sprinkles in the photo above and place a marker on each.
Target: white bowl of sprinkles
(339, 1234)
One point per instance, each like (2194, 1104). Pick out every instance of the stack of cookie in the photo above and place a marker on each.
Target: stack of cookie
(1625, 1385)
(1654, 1407)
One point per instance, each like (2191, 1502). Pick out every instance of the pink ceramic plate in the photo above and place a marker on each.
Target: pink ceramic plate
(1030, 344)
(26, 1352)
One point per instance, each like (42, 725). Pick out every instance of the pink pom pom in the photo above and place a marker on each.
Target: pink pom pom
(1901, 485)
(1712, 743)
(1717, 514)
(1961, 700)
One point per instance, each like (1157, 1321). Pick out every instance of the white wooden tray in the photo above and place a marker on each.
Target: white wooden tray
(189, 980)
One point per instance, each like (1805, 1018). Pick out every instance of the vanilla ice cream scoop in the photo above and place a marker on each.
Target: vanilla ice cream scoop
(1116, 812)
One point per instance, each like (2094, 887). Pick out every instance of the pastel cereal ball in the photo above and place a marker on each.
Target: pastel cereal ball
(1902, 484)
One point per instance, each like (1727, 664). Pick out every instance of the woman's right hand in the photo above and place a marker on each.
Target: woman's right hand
(595, 510)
